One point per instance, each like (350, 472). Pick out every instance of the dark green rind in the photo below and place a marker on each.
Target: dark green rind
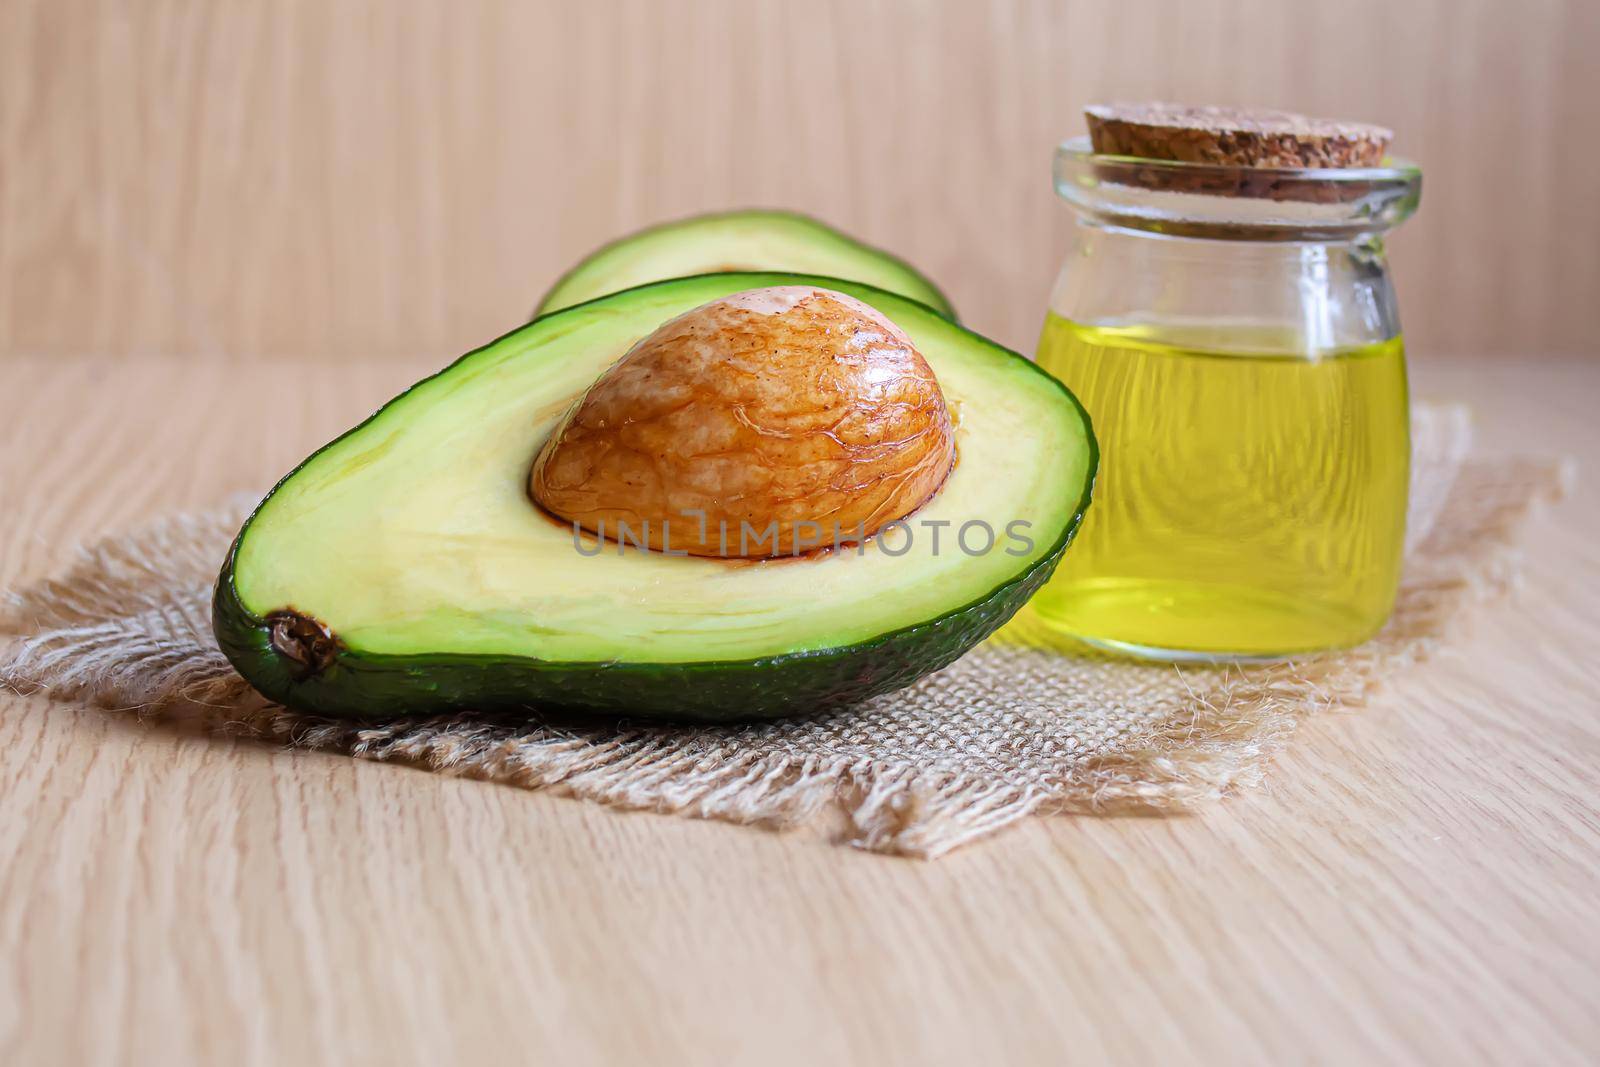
(363, 684)
(933, 297)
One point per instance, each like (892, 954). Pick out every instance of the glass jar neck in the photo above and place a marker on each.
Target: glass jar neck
(1235, 203)
(1309, 297)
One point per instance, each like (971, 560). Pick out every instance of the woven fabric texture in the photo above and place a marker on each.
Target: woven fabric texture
(1013, 729)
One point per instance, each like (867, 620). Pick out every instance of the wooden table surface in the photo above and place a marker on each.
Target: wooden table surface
(1418, 881)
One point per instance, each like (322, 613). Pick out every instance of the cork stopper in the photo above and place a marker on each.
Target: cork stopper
(1233, 136)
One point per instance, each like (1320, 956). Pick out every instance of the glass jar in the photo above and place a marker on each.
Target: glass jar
(1233, 333)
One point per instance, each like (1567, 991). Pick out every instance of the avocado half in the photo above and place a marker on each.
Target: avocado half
(403, 568)
(738, 241)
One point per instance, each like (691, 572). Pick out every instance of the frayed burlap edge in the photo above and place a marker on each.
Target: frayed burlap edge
(112, 631)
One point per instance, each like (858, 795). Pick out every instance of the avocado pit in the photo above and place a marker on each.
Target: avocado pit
(758, 425)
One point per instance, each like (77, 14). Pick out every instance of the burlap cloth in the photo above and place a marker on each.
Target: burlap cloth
(1012, 729)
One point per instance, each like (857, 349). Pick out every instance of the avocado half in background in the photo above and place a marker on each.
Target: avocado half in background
(738, 241)
(405, 568)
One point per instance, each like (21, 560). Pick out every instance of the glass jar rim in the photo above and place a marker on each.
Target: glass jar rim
(1234, 202)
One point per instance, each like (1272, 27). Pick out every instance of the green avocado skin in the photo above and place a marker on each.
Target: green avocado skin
(914, 284)
(357, 684)
(365, 685)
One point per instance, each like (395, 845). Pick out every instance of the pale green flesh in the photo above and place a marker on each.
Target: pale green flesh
(414, 534)
(739, 241)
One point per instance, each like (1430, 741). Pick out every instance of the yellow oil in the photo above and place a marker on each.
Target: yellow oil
(1250, 500)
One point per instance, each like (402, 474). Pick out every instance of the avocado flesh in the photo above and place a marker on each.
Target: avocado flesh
(412, 539)
(738, 241)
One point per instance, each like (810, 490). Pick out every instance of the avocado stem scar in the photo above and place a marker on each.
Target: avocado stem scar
(306, 643)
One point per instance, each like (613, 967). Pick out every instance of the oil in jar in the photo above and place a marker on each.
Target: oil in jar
(1251, 498)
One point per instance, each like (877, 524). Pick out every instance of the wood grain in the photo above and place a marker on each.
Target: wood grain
(1415, 884)
(314, 203)
(355, 178)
